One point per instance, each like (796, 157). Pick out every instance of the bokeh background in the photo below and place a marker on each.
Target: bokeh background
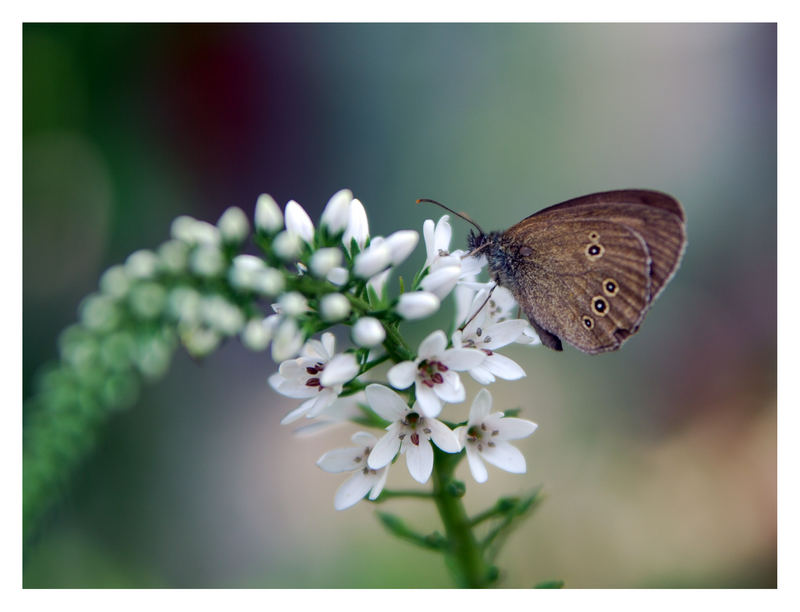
(659, 461)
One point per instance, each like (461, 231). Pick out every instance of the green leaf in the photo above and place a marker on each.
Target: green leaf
(397, 527)
(550, 584)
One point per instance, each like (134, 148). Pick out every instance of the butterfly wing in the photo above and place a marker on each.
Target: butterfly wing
(588, 269)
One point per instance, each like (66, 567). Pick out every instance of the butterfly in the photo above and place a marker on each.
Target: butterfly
(587, 270)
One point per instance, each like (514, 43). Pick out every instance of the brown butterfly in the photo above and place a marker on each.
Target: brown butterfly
(587, 270)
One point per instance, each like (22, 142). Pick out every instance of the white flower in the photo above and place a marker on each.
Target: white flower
(325, 260)
(354, 458)
(410, 432)
(368, 332)
(298, 222)
(486, 437)
(433, 373)
(233, 225)
(199, 341)
(417, 305)
(334, 307)
(437, 239)
(487, 333)
(357, 226)
(318, 374)
(337, 211)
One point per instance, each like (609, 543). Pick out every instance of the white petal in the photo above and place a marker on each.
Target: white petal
(482, 375)
(417, 305)
(378, 282)
(385, 450)
(337, 211)
(314, 350)
(481, 406)
(419, 459)
(442, 436)
(402, 375)
(463, 296)
(386, 403)
(329, 344)
(379, 478)
(479, 472)
(341, 369)
(298, 222)
(298, 412)
(462, 359)
(363, 438)
(428, 402)
(373, 260)
(428, 233)
(352, 491)
(451, 390)
(443, 234)
(505, 456)
(441, 281)
(325, 260)
(502, 366)
(343, 460)
(510, 428)
(324, 399)
(432, 346)
(402, 243)
(503, 333)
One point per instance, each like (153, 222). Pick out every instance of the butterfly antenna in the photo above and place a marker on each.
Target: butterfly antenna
(462, 215)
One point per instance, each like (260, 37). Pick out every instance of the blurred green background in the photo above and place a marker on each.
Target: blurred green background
(659, 461)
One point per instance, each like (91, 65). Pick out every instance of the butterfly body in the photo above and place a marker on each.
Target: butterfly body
(587, 270)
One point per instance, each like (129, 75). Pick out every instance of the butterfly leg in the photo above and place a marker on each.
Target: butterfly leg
(475, 314)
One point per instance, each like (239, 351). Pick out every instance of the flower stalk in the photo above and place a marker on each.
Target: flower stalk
(200, 289)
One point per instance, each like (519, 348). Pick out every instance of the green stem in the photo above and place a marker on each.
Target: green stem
(464, 555)
(388, 494)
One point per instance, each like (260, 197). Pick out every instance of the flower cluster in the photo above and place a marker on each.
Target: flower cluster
(337, 274)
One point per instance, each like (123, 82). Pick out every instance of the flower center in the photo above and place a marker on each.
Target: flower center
(314, 381)
(430, 372)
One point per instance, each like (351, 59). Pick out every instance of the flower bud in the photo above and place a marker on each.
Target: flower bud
(298, 222)
(417, 305)
(288, 341)
(357, 225)
(287, 245)
(141, 264)
(233, 225)
(338, 276)
(337, 211)
(147, 300)
(292, 304)
(368, 332)
(115, 281)
(206, 260)
(325, 260)
(268, 217)
(256, 335)
(173, 255)
(334, 307)
(402, 243)
(269, 282)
